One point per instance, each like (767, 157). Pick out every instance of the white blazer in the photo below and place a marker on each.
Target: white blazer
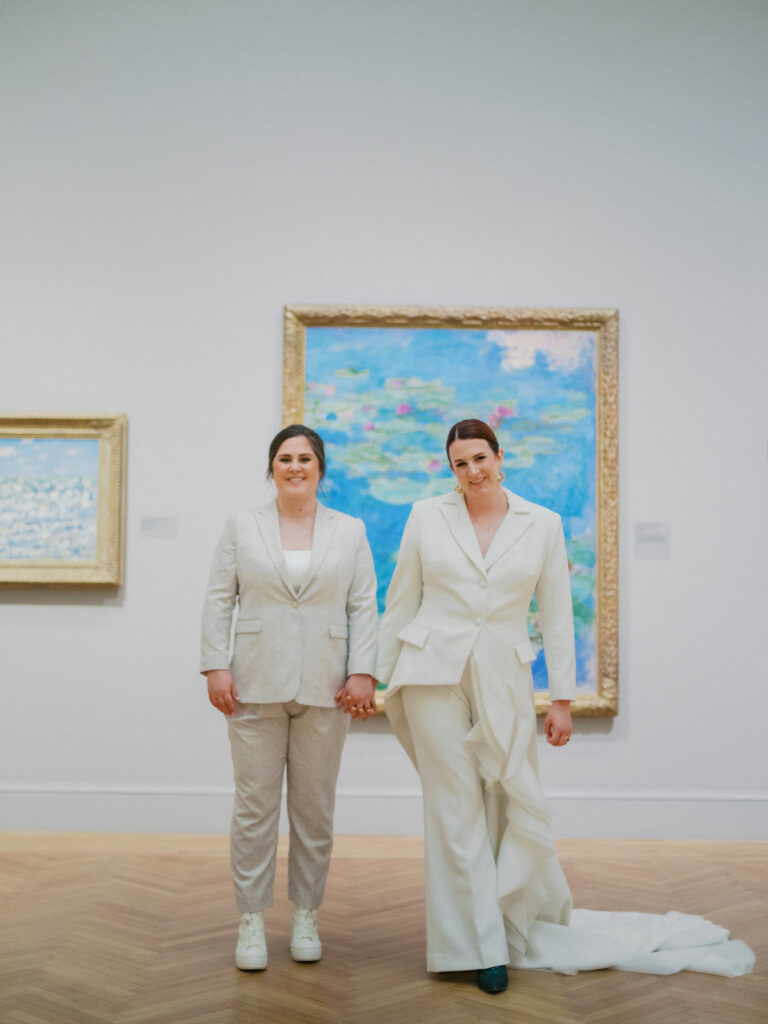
(288, 645)
(447, 602)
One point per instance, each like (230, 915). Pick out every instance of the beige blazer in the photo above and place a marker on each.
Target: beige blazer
(288, 645)
(447, 602)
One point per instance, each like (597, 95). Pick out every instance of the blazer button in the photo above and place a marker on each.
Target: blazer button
(295, 604)
(483, 584)
(478, 621)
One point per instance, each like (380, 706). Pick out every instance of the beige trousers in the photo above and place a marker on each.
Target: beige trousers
(305, 743)
(465, 925)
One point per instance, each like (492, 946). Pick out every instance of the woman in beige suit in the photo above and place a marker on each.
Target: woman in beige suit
(303, 580)
(454, 650)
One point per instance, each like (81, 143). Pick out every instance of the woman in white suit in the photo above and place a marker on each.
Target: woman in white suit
(454, 649)
(455, 653)
(303, 580)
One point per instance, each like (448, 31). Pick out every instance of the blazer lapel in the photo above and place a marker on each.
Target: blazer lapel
(456, 516)
(326, 521)
(513, 526)
(269, 528)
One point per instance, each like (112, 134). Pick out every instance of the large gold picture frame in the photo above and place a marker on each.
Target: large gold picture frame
(382, 386)
(62, 499)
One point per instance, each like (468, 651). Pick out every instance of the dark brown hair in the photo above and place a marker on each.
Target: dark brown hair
(465, 430)
(297, 430)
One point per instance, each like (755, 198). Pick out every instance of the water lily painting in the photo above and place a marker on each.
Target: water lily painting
(383, 387)
(61, 499)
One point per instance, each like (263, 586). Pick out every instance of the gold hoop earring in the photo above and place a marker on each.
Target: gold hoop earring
(459, 489)
(501, 476)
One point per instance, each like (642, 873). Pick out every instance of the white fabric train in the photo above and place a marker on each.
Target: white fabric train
(646, 943)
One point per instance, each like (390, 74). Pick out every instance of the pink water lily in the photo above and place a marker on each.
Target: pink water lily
(499, 415)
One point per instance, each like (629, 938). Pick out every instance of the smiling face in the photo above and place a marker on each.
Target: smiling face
(295, 469)
(475, 465)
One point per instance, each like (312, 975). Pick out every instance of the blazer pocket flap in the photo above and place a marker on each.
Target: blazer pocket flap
(413, 634)
(341, 630)
(248, 626)
(525, 651)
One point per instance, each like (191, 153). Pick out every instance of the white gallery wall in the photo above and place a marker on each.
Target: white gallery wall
(172, 173)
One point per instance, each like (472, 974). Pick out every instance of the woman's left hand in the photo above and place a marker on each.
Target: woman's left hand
(358, 697)
(558, 725)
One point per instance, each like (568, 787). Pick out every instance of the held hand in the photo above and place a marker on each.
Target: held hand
(558, 725)
(358, 697)
(221, 691)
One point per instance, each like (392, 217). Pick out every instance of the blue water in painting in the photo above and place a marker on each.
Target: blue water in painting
(48, 499)
(383, 400)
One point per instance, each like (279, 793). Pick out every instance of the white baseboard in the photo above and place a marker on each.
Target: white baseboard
(634, 814)
(630, 814)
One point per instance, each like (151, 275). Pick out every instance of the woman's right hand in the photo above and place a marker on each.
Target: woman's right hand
(357, 698)
(221, 690)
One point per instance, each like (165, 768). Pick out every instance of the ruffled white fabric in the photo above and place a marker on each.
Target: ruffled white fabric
(646, 943)
(530, 884)
(543, 932)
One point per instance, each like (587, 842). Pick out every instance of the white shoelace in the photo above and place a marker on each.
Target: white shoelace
(252, 932)
(305, 925)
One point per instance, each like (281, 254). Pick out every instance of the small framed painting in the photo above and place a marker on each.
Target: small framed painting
(62, 499)
(383, 385)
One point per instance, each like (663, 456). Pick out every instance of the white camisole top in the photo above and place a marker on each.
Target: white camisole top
(297, 563)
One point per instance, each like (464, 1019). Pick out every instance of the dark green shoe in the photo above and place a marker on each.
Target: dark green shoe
(492, 979)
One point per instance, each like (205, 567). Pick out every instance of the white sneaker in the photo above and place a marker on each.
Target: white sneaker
(305, 944)
(251, 952)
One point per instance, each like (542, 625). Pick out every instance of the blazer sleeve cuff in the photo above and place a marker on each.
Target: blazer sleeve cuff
(210, 664)
(364, 668)
(562, 693)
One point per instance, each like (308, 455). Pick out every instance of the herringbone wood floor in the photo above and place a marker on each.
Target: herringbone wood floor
(141, 929)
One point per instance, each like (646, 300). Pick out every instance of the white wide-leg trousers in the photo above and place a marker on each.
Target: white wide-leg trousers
(306, 743)
(465, 925)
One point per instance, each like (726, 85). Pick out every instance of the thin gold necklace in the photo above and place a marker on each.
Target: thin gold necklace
(493, 526)
(495, 523)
